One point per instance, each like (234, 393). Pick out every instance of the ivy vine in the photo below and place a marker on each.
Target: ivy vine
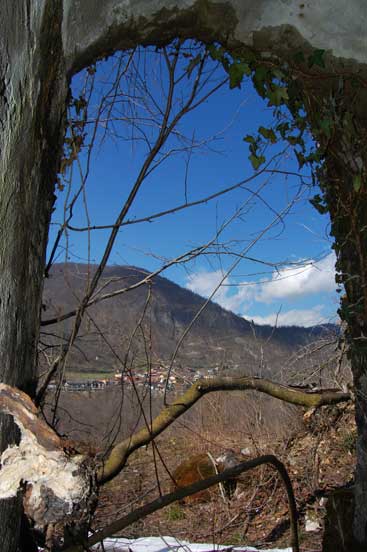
(295, 119)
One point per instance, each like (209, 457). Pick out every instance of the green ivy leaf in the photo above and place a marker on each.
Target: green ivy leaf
(282, 128)
(314, 157)
(278, 96)
(300, 158)
(278, 74)
(268, 134)
(319, 204)
(264, 132)
(216, 54)
(299, 57)
(272, 136)
(260, 78)
(248, 56)
(236, 73)
(357, 183)
(316, 58)
(80, 104)
(301, 122)
(261, 73)
(326, 127)
(256, 161)
(293, 140)
(250, 139)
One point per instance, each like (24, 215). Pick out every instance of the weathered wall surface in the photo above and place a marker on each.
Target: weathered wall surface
(264, 24)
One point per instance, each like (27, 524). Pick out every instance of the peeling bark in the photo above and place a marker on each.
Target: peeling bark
(59, 487)
(19, 405)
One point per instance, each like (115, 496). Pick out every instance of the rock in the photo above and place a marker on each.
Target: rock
(312, 521)
(201, 467)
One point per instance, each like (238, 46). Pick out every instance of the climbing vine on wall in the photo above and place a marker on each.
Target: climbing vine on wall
(278, 86)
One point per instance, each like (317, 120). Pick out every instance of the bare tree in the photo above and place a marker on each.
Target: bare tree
(128, 108)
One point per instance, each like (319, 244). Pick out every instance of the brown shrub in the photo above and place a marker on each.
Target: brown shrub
(201, 466)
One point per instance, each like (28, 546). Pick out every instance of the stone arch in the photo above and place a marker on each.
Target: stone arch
(47, 41)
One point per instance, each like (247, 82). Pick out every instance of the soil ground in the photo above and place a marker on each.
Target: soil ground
(319, 458)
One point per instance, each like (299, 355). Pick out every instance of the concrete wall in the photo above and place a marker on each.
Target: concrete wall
(93, 26)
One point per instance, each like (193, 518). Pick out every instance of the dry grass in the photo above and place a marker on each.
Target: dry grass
(318, 455)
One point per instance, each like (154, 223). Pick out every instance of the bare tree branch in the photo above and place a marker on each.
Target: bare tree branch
(186, 205)
(278, 218)
(118, 456)
(171, 115)
(179, 494)
(94, 300)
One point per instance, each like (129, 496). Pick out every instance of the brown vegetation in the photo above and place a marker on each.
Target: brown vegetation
(202, 466)
(321, 444)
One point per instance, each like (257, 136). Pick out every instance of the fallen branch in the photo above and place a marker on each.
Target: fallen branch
(118, 456)
(165, 500)
(53, 477)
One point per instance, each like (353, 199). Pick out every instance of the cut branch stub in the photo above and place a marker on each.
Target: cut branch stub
(19, 405)
(58, 486)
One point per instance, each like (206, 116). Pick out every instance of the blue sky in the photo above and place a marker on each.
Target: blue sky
(293, 276)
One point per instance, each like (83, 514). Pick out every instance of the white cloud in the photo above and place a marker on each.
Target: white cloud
(294, 317)
(292, 282)
(204, 283)
(288, 284)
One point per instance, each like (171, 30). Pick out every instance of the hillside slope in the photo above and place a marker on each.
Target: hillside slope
(218, 340)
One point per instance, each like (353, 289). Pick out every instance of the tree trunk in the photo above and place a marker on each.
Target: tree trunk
(345, 190)
(359, 363)
(33, 95)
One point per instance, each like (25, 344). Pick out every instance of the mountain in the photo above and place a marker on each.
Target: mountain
(147, 322)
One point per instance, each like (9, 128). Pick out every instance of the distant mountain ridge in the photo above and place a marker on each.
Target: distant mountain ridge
(218, 338)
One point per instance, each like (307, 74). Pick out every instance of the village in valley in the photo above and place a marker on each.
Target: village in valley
(156, 378)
